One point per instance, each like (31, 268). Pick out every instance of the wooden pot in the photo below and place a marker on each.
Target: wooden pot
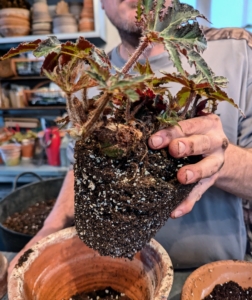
(61, 265)
(203, 280)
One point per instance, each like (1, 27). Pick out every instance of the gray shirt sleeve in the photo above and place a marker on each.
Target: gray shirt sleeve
(70, 153)
(245, 124)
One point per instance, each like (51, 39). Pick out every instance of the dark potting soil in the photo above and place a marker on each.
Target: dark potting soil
(120, 204)
(30, 220)
(229, 291)
(23, 258)
(106, 294)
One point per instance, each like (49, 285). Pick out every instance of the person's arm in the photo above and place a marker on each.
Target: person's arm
(61, 216)
(227, 166)
(236, 174)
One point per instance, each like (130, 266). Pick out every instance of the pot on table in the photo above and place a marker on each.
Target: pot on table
(61, 265)
(202, 281)
(20, 199)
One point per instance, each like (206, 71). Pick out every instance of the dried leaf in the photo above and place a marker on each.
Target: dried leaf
(143, 69)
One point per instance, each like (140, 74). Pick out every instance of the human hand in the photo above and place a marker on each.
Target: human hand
(199, 136)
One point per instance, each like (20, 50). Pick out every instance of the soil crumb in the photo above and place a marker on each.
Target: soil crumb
(23, 258)
(230, 291)
(30, 220)
(106, 294)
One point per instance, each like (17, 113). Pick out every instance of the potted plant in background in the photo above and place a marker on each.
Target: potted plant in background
(27, 141)
(124, 191)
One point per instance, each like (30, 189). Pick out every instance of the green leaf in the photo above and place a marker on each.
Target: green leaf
(182, 96)
(113, 151)
(147, 5)
(132, 95)
(97, 78)
(201, 82)
(169, 120)
(104, 72)
(160, 6)
(220, 81)
(52, 44)
(177, 16)
(220, 95)
(131, 83)
(21, 48)
(100, 57)
(190, 36)
(201, 65)
(170, 78)
(174, 55)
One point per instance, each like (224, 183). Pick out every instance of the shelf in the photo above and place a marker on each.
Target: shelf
(97, 37)
(8, 174)
(94, 37)
(55, 107)
(36, 77)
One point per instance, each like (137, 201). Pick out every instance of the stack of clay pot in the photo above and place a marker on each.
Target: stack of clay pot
(86, 22)
(63, 21)
(75, 9)
(14, 22)
(41, 20)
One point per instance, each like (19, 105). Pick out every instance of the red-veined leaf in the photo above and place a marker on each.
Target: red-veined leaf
(21, 48)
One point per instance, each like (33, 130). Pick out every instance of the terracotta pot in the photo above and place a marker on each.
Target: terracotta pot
(203, 280)
(60, 265)
(87, 16)
(27, 148)
(3, 275)
(20, 13)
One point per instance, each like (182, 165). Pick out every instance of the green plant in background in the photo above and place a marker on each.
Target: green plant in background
(19, 136)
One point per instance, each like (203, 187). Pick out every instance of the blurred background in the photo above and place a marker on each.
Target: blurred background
(221, 13)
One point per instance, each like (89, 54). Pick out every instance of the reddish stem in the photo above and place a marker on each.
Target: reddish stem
(134, 57)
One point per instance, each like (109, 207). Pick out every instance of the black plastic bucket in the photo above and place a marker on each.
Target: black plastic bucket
(20, 199)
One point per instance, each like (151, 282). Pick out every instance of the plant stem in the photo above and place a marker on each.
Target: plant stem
(127, 111)
(70, 108)
(79, 111)
(195, 102)
(84, 99)
(134, 57)
(192, 95)
(137, 108)
(96, 115)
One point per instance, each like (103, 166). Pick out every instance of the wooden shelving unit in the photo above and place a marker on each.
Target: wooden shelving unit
(97, 37)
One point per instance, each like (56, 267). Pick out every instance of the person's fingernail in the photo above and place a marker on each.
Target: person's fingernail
(178, 213)
(156, 141)
(189, 175)
(181, 148)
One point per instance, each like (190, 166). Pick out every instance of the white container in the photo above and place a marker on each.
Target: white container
(11, 154)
